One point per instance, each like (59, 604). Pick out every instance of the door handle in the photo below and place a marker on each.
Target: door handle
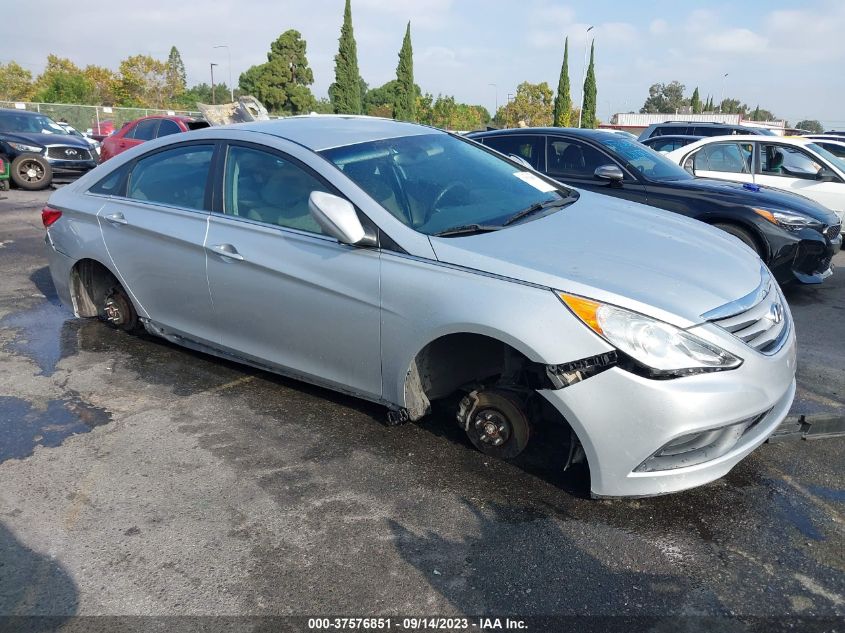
(226, 250)
(117, 218)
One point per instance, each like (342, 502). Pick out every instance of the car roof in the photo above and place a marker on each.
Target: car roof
(319, 132)
(671, 136)
(24, 112)
(569, 131)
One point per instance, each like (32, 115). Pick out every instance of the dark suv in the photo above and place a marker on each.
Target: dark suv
(697, 128)
(37, 146)
(795, 236)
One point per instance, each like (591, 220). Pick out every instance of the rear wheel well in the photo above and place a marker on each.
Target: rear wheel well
(90, 283)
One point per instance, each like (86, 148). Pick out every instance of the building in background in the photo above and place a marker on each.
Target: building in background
(635, 123)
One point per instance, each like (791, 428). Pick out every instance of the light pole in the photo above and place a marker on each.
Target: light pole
(496, 92)
(229, 55)
(724, 80)
(213, 99)
(584, 75)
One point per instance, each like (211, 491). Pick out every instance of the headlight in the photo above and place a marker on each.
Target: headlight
(662, 350)
(25, 148)
(787, 220)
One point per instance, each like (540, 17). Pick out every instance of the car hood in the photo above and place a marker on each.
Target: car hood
(35, 138)
(645, 259)
(756, 196)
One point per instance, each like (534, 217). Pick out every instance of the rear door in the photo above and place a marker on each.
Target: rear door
(284, 293)
(154, 232)
(728, 160)
(143, 130)
(528, 147)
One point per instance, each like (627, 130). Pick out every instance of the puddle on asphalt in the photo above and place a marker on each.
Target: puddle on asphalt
(23, 427)
(39, 333)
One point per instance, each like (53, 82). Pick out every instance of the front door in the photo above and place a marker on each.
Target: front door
(729, 160)
(285, 294)
(154, 235)
(789, 167)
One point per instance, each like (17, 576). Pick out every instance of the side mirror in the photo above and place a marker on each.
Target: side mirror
(610, 172)
(520, 160)
(337, 217)
(825, 175)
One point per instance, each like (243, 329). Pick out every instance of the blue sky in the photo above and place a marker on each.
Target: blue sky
(785, 56)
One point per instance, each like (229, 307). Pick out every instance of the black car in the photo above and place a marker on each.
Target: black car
(38, 146)
(698, 128)
(795, 236)
(669, 142)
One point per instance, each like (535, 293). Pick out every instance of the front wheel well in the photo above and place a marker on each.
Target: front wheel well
(762, 245)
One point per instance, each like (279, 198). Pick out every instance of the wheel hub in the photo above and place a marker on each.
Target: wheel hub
(113, 312)
(493, 427)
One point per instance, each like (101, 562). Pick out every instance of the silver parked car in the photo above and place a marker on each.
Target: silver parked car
(405, 265)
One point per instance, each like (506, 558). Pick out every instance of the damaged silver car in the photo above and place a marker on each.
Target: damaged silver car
(406, 265)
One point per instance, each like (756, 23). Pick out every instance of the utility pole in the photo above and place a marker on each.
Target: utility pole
(724, 80)
(584, 74)
(213, 99)
(229, 55)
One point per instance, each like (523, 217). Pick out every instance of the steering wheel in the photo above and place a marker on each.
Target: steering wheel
(439, 197)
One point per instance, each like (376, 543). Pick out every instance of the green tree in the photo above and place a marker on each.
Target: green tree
(531, 106)
(103, 84)
(405, 96)
(62, 82)
(282, 82)
(732, 106)
(811, 125)
(345, 92)
(588, 119)
(175, 76)
(380, 101)
(563, 100)
(15, 82)
(142, 82)
(695, 101)
(664, 98)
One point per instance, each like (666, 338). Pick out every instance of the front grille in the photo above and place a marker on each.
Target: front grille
(763, 326)
(68, 153)
(832, 232)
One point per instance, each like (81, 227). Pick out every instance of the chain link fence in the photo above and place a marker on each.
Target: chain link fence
(97, 120)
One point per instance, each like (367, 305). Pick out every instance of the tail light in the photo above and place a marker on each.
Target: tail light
(49, 216)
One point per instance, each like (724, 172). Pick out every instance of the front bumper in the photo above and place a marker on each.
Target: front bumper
(71, 165)
(623, 419)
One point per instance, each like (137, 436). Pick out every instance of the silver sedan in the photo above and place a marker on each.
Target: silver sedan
(404, 265)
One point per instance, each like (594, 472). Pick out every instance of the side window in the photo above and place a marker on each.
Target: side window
(267, 188)
(145, 130)
(167, 127)
(665, 146)
(722, 157)
(836, 150)
(113, 184)
(787, 161)
(573, 158)
(528, 147)
(175, 177)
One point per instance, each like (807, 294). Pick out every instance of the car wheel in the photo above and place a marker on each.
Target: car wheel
(117, 310)
(31, 172)
(495, 422)
(743, 235)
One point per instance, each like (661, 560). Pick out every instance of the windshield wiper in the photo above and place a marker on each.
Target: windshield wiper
(537, 207)
(467, 229)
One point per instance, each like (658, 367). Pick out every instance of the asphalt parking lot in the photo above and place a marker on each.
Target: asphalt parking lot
(141, 478)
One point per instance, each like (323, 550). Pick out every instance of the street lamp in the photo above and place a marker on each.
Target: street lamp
(724, 80)
(584, 74)
(213, 99)
(229, 55)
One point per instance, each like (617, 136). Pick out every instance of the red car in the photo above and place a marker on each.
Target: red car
(145, 129)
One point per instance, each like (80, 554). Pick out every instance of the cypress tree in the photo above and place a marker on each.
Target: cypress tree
(345, 92)
(405, 96)
(695, 101)
(563, 100)
(588, 119)
(175, 77)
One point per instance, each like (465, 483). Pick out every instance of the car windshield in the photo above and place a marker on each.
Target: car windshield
(645, 160)
(837, 162)
(436, 183)
(32, 123)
